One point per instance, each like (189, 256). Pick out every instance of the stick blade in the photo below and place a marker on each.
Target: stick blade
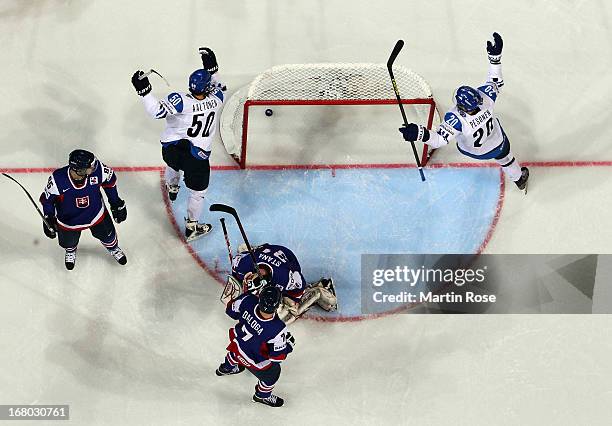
(396, 50)
(222, 208)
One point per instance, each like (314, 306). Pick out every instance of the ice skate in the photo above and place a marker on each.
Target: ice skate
(70, 259)
(328, 300)
(221, 371)
(195, 230)
(173, 191)
(272, 400)
(328, 284)
(522, 182)
(119, 255)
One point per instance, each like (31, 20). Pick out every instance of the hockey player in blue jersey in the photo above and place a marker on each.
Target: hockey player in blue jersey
(191, 125)
(279, 266)
(259, 342)
(72, 202)
(473, 123)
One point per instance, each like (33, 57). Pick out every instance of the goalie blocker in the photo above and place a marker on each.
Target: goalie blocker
(278, 265)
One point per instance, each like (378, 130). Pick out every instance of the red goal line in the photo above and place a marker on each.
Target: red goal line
(330, 166)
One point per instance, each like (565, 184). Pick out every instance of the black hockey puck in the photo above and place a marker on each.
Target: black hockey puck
(269, 112)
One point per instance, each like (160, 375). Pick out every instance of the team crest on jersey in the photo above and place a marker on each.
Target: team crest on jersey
(82, 202)
(93, 180)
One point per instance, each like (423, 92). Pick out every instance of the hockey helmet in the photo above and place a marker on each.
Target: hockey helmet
(200, 82)
(467, 98)
(269, 299)
(82, 162)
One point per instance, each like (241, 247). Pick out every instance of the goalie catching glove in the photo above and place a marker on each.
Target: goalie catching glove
(414, 133)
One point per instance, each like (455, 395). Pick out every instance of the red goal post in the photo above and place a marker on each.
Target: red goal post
(341, 84)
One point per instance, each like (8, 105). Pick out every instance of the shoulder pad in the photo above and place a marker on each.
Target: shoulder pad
(176, 101)
(490, 90)
(452, 120)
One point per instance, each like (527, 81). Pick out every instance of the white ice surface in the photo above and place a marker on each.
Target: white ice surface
(139, 345)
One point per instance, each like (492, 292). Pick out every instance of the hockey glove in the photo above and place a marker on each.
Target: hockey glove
(290, 340)
(51, 230)
(143, 87)
(495, 49)
(119, 211)
(209, 60)
(414, 133)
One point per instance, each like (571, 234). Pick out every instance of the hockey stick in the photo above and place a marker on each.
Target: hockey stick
(232, 211)
(230, 288)
(227, 242)
(42, 216)
(394, 53)
(152, 71)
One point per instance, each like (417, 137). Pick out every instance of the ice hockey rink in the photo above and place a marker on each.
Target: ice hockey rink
(138, 345)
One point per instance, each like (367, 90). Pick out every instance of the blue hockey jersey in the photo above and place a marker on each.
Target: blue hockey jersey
(256, 342)
(79, 207)
(286, 270)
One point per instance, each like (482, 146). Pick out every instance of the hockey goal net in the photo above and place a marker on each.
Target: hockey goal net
(272, 120)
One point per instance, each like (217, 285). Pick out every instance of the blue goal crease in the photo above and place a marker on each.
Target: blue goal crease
(330, 220)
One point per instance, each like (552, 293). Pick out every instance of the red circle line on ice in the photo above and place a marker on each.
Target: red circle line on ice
(217, 274)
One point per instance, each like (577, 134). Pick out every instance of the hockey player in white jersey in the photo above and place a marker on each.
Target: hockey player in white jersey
(191, 124)
(473, 123)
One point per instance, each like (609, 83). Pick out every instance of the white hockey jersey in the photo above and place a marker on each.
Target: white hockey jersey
(480, 135)
(188, 118)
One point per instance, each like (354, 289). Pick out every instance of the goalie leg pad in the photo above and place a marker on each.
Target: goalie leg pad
(310, 297)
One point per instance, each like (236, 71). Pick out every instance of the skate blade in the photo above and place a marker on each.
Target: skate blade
(195, 237)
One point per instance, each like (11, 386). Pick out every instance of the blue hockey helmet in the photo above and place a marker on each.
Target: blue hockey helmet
(269, 299)
(467, 98)
(200, 82)
(82, 162)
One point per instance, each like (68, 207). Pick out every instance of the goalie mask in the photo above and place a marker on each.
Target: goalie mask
(253, 283)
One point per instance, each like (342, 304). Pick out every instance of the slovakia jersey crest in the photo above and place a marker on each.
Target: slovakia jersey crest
(82, 202)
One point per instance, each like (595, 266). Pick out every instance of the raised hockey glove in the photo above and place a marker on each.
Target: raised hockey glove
(495, 49)
(51, 230)
(414, 133)
(143, 87)
(209, 60)
(119, 211)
